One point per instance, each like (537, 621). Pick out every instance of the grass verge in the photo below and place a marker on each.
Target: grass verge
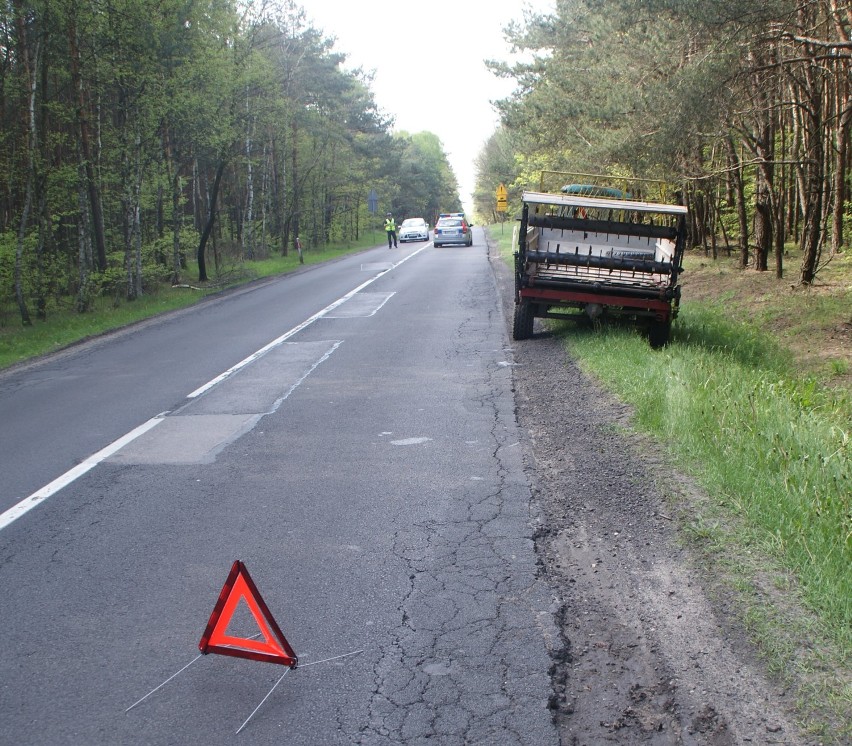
(762, 425)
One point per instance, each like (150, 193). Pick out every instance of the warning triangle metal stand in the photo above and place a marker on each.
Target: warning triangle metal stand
(273, 648)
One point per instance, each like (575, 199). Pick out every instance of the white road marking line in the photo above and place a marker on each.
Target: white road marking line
(306, 323)
(28, 503)
(298, 383)
(39, 496)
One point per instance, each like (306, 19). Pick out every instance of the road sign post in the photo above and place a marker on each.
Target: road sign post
(502, 204)
(372, 205)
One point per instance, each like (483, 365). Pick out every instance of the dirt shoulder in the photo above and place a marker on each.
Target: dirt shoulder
(649, 653)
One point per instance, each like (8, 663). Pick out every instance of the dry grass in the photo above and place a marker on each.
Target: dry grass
(814, 323)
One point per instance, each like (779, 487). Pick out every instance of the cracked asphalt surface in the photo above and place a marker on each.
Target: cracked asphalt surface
(647, 654)
(473, 515)
(466, 664)
(369, 473)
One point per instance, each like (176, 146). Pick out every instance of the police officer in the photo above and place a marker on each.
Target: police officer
(390, 227)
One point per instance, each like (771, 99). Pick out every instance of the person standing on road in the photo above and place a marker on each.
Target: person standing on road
(390, 227)
(299, 249)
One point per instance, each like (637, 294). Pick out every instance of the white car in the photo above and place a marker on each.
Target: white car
(413, 229)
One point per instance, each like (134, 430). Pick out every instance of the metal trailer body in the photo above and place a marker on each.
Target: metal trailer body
(600, 255)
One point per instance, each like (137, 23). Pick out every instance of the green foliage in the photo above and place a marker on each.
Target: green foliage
(240, 117)
(7, 272)
(496, 164)
(679, 91)
(425, 182)
(41, 277)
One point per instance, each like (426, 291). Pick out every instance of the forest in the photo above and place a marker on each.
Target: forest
(146, 140)
(744, 107)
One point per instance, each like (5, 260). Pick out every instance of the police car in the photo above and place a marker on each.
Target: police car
(452, 227)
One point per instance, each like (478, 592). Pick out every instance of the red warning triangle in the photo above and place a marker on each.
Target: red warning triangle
(273, 648)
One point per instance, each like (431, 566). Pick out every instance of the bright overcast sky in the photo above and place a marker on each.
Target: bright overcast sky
(427, 56)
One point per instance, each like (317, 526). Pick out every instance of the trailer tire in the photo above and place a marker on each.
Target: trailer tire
(659, 333)
(522, 328)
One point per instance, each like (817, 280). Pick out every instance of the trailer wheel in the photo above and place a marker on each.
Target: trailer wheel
(658, 333)
(522, 328)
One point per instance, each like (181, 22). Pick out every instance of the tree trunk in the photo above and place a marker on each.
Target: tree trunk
(264, 197)
(137, 219)
(197, 200)
(208, 228)
(30, 63)
(813, 180)
(761, 141)
(86, 147)
(843, 27)
(19, 254)
(132, 177)
(84, 249)
(739, 194)
(840, 169)
(176, 226)
(279, 191)
(762, 223)
(781, 204)
(294, 180)
(173, 174)
(248, 218)
(813, 215)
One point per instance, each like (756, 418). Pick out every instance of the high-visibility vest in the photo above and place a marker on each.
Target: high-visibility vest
(390, 225)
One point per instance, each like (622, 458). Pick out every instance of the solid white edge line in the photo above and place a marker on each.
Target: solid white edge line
(38, 497)
(307, 322)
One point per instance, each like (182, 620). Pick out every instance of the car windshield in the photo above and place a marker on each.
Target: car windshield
(410, 222)
(449, 222)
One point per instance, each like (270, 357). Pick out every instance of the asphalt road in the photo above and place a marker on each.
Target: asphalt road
(367, 470)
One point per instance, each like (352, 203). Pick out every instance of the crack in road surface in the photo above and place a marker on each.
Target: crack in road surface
(459, 669)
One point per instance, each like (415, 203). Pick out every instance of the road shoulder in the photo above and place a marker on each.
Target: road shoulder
(648, 652)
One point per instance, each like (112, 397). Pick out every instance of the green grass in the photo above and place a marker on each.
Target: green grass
(769, 445)
(64, 326)
(814, 322)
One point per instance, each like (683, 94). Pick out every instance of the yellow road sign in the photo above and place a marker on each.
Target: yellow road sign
(501, 193)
